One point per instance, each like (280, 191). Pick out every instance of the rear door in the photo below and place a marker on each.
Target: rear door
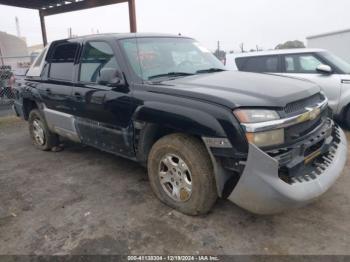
(58, 77)
(304, 66)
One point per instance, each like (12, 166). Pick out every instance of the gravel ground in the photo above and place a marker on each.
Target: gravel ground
(83, 201)
(5, 110)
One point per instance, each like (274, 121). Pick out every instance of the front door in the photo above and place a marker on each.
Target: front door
(103, 112)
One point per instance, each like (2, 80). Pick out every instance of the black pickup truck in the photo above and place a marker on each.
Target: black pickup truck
(265, 142)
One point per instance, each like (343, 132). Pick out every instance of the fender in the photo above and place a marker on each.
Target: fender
(214, 123)
(179, 118)
(28, 98)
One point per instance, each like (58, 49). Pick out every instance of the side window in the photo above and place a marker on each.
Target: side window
(290, 64)
(38, 61)
(240, 62)
(96, 56)
(260, 64)
(62, 61)
(301, 63)
(37, 66)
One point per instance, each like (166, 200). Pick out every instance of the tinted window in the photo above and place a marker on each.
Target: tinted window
(258, 64)
(301, 63)
(62, 61)
(96, 56)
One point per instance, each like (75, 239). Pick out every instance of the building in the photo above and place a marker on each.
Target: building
(13, 52)
(336, 42)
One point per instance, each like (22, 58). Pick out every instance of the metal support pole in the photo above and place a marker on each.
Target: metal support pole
(132, 16)
(43, 28)
(1, 58)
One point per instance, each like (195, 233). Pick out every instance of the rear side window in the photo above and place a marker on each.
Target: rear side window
(38, 61)
(38, 64)
(62, 61)
(96, 56)
(258, 64)
(301, 63)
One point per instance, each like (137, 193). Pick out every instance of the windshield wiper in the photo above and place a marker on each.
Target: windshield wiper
(210, 70)
(170, 74)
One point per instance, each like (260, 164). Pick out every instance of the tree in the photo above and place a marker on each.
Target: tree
(291, 44)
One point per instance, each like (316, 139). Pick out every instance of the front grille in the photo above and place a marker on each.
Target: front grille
(300, 105)
(298, 131)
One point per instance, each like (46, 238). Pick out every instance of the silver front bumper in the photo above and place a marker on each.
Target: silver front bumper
(261, 191)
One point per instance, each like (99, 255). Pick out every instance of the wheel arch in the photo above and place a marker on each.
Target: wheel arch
(155, 120)
(153, 123)
(29, 105)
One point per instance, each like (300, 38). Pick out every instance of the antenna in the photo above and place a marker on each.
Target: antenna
(70, 34)
(17, 27)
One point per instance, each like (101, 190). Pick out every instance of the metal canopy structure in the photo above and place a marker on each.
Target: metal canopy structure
(53, 7)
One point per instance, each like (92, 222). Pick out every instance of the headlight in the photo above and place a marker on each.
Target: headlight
(255, 115)
(260, 139)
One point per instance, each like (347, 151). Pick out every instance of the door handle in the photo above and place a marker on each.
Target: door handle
(78, 96)
(48, 90)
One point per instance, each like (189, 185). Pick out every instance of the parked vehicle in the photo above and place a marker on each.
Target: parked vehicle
(203, 132)
(331, 73)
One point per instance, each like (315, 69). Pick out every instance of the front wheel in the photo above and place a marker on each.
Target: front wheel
(41, 136)
(181, 174)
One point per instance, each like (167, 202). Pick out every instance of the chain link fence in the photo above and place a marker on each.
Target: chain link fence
(10, 67)
(6, 82)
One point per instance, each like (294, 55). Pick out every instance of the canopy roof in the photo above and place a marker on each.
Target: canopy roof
(52, 7)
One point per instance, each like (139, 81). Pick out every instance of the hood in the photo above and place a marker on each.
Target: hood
(240, 89)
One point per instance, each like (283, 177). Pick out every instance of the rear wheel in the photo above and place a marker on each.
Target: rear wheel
(181, 174)
(41, 136)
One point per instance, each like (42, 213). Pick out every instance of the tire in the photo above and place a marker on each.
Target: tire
(198, 188)
(38, 127)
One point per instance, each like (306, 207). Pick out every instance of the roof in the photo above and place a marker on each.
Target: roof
(122, 36)
(51, 7)
(278, 51)
(329, 34)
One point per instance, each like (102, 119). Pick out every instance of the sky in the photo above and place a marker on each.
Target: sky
(265, 23)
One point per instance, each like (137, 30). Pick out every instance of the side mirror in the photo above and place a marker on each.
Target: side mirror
(110, 77)
(324, 69)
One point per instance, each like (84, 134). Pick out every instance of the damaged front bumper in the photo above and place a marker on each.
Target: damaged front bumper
(261, 190)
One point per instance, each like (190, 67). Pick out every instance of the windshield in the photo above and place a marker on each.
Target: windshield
(169, 57)
(338, 62)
